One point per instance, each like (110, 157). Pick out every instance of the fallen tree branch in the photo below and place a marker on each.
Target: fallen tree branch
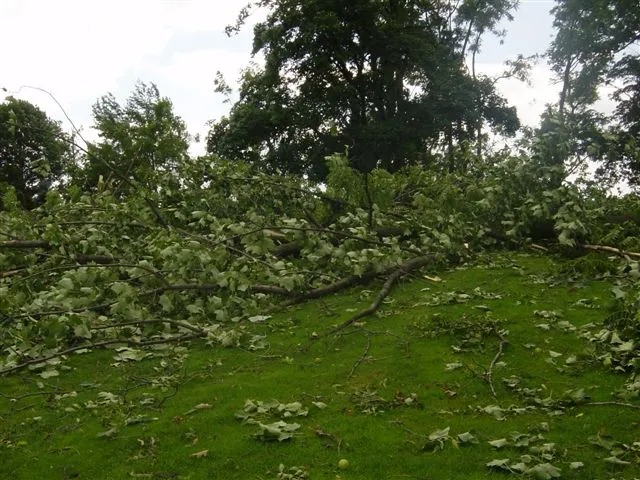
(25, 244)
(535, 246)
(212, 287)
(331, 288)
(362, 357)
(150, 321)
(489, 373)
(605, 248)
(395, 275)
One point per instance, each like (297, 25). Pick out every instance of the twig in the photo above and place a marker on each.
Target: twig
(535, 246)
(489, 374)
(362, 357)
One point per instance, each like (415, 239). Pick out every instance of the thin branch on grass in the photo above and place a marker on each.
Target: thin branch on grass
(489, 374)
(402, 340)
(362, 357)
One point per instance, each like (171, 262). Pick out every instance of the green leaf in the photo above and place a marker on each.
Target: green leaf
(439, 434)
(49, 373)
(502, 442)
(82, 331)
(165, 302)
(279, 431)
(66, 283)
(544, 471)
(466, 438)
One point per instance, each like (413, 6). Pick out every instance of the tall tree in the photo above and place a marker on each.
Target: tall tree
(384, 79)
(33, 150)
(597, 44)
(139, 140)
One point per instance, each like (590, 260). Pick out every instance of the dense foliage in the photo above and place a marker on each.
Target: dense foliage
(33, 151)
(226, 244)
(385, 80)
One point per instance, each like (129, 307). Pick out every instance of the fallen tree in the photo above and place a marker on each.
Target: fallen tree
(98, 270)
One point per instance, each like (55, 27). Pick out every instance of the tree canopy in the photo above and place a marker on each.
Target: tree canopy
(386, 81)
(33, 151)
(139, 139)
(595, 47)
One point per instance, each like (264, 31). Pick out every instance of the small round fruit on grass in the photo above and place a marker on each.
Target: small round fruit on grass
(343, 464)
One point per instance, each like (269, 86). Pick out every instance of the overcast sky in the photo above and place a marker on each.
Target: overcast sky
(80, 50)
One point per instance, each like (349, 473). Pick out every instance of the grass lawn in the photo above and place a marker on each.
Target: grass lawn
(483, 364)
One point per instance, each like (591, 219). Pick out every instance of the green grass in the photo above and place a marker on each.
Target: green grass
(51, 428)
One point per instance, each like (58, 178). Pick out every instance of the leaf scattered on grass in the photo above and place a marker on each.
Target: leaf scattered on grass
(197, 408)
(501, 442)
(544, 471)
(466, 438)
(279, 431)
(200, 454)
(501, 464)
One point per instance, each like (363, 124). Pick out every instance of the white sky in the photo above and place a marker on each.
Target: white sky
(80, 50)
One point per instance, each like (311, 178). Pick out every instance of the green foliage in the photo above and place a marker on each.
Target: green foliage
(34, 152)
(385, 81)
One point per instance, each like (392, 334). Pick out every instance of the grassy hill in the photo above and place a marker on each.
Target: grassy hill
(487, 371)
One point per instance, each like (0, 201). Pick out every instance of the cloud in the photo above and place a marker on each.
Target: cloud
(79, 50)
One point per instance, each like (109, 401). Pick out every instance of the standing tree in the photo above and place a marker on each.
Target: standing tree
(597, 44)
(33, 151)
(141, 139)
(386, 80)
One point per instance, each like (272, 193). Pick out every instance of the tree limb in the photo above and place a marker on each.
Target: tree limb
(605, 248)
(395, 275)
